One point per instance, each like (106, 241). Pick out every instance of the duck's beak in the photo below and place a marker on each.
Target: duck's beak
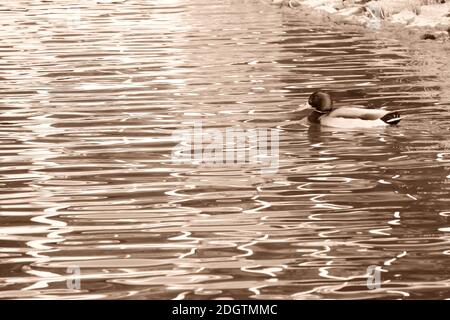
(304, 106)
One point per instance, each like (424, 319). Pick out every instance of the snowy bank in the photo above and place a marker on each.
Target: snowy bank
(430, 16)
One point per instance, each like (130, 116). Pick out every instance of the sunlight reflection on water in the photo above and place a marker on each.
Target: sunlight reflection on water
(88, 111)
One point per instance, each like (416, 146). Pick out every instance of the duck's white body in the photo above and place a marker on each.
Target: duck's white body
(353, 117)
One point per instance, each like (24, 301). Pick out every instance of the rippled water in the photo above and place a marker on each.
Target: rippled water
(91, 94)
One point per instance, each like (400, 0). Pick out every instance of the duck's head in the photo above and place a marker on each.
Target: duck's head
(321, 102)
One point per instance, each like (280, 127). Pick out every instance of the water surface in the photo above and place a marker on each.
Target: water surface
(91, 93)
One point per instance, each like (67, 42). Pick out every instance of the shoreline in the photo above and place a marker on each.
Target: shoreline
(431, 54)
(421, 19)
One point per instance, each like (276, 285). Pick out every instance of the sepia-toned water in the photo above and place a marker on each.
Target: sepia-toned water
(92, 205)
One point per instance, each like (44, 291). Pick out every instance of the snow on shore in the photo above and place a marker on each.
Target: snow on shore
(422, 14)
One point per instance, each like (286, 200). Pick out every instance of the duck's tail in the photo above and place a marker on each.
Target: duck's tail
(392, 118)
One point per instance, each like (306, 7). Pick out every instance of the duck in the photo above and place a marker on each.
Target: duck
(348, 117)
